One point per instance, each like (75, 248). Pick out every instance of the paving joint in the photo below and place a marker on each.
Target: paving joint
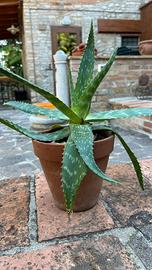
(124, 237)
(111, 213)
(141, 232)
(117, 232)
(135, 258)
(32, 224)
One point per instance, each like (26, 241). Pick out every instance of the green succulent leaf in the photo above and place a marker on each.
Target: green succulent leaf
(54, 136)
(83, 105)
(118, 114)
(71, 86)
(73, 172)
(133, 159)
(83, 138)
(129, 152)
(50, 97)
(85, 73)
(53, 114)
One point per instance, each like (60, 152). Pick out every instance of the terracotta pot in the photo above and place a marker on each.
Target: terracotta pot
(50, 155)
(145, 47)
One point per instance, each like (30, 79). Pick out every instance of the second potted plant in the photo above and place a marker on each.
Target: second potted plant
(145, 47)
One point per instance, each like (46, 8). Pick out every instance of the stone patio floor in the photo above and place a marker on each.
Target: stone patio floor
(114, 235)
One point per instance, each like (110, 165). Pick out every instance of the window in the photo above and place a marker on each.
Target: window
(129, 45)
(131, 42)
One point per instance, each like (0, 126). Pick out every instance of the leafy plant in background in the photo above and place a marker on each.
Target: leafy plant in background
(79, 123)
(66, 42)
(11, 52)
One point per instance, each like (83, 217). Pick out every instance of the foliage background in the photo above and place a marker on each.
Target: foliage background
(11, 55)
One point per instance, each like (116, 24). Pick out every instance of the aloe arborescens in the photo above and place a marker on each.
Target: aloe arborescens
(78, 152)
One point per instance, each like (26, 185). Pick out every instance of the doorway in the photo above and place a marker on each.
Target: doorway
(65, 38)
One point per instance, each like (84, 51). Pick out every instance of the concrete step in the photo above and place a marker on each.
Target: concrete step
(148, 126)
(140, 124)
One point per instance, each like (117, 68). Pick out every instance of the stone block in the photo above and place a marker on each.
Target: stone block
(53, 222)
(147, 232)
(148, 124)
(128, 203)
(93, 254)
(142, 249)
(146, 166)
(147, 130)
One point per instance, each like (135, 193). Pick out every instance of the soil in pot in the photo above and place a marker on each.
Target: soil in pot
(50, 156)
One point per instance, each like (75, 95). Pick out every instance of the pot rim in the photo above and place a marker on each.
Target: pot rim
(145, 41)
(62, 144)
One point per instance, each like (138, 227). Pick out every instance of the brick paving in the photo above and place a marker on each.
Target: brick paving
(96, 219)
(114, 235)
(103, 253)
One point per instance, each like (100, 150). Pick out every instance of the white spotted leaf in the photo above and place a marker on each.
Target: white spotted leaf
(44, 137)
(119, 114)
(85, 73)
(53, 114)
(83, 105)
(61, 106)
(73, 173)
(83, 138)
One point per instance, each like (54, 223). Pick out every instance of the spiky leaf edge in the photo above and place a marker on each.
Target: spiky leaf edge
(130, 153)
(85, 72)
(50, 97)
(84, 102)
(53, 114)
(73, 172)
(118, 114)
(71, 86)
(53, 136)
(83, 138)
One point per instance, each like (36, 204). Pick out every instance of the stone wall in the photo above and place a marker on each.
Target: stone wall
(39, 16)
(121, 80)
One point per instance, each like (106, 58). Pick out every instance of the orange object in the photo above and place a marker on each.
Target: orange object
(79, 50)
(45, 105)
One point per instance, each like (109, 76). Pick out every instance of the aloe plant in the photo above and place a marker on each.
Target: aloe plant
(79, 123)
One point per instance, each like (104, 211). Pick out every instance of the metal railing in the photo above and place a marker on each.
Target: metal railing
(10, 90)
